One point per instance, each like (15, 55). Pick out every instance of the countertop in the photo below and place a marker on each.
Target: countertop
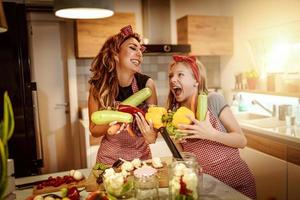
(212, 188)
(279, 132)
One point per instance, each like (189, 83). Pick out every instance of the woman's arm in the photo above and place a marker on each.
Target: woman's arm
(96, 130)
(204, 130)
(153, 98)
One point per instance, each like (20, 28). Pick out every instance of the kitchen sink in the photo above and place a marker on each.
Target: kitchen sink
(250, 116)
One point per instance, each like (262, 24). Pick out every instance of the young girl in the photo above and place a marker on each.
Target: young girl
(116, 76)
(216, 140)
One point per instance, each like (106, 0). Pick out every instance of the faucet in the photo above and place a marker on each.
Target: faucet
(273, 112)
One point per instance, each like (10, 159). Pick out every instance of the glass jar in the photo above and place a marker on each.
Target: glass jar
(184, 180)
(119, 186)
(146, 183)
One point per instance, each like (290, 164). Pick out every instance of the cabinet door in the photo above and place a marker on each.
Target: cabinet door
(92, 33)
(293, 181)
(270, 173)
(207, 35)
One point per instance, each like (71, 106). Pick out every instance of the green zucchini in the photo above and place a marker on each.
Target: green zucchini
(138, 97)
(3, 169)
(201, 106)
(107, 116)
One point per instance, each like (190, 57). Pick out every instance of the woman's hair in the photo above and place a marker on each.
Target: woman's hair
(202, 86)
(104, 81)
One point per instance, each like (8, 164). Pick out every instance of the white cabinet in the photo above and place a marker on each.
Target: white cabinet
(270, 174)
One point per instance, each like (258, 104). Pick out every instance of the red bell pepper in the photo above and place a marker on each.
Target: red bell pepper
(130, 109)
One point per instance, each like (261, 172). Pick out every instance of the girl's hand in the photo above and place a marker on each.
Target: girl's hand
(146, 129)
(200, 130)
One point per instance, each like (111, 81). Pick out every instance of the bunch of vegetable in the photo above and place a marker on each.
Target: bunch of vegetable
(6, 130)
(71, 193)
(161, 118)
(123, 113)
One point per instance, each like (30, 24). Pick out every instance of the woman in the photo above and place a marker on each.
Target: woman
(116, 76)
(214, 141)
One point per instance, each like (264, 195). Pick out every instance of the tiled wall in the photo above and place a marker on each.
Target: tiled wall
(154, 66)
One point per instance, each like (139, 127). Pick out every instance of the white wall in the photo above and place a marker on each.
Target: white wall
(253, 19)
(181, 8)
(134, 6)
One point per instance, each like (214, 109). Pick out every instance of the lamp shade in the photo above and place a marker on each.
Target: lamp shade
(3, 24)
(83, 9)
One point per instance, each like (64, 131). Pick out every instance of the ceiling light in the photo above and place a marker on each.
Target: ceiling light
(3, 24)
(83, 9)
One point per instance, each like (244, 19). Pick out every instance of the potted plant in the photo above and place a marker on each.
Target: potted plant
(6, 130)
(252, 77)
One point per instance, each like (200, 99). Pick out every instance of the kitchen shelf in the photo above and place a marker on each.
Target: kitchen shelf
(286, 94)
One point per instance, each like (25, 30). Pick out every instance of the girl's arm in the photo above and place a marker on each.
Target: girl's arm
(236, 137)
(96, 130)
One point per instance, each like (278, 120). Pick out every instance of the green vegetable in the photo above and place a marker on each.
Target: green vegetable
(138, 97)
(3, 169)
(201, 106)
(100, 166)
(6, 130)
(108, 116)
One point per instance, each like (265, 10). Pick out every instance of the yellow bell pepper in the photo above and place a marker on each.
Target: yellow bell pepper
(180, 116)
(155, 115)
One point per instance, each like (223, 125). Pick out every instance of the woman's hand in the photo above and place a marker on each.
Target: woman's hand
(201, 130)
(146, 129)
(116, 128)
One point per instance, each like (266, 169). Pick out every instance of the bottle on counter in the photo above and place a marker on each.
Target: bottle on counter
(242, 104)
(235, 104)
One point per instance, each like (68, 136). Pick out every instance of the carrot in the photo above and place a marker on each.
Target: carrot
(112, 130)
(130, 132)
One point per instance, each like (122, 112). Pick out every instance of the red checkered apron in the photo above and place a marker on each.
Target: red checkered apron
(123, 145)
(222, 162)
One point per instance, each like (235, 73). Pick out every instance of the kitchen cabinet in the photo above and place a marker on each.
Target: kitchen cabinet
(90, 34)
(207, 35)
(270, 173)
(293, 173)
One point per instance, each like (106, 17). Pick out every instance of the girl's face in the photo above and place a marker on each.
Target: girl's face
(182, 83)
(130, 55)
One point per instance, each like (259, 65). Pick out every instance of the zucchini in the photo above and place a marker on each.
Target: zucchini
(201, 106)
(3, 169)
(138, 97)
(107, 116)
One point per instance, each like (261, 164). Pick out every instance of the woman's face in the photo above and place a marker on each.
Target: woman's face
(130, 55)
(182, 82)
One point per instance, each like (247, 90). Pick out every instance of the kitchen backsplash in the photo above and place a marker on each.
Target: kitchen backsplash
(154, 66)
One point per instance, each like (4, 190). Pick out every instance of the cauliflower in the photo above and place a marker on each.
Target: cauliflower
(156, 162)
(136, 163)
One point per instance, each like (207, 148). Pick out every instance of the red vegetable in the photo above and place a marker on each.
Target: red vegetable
(130, 109)
(73, 193)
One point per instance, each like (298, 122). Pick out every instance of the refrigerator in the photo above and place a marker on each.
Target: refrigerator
(25, 146)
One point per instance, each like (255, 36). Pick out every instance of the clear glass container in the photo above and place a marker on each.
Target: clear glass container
(146, 183)
(185, 178)
(120, 189)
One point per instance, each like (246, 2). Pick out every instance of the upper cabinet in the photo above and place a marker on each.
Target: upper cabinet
(90, 34)
(207, 35)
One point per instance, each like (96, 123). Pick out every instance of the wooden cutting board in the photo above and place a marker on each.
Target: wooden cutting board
(50, 189)
(92, 185)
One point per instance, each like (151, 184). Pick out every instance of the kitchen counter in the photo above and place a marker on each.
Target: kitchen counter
(212, 188)
(278, 132)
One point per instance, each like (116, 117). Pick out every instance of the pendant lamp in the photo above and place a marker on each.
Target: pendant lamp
(83, 9)
(3, 24)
